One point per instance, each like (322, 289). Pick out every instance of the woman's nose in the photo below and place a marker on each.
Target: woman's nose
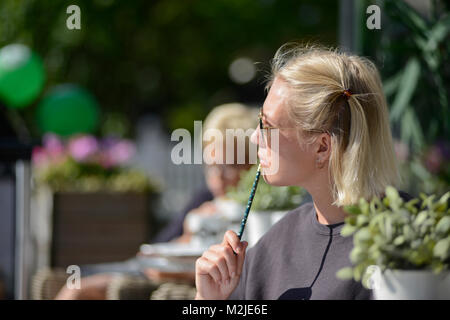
(254, 137)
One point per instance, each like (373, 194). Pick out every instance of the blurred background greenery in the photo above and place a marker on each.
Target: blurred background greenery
(169, 57)
(412, 51)
(176, 60)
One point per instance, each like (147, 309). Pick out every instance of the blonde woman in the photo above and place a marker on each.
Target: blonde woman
(334, 140)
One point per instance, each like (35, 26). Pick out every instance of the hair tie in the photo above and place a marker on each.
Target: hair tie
(347, 93)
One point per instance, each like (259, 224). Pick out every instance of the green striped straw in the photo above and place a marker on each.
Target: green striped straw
(250, 201)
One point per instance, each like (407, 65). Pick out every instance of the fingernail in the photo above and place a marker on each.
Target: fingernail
(233, 274)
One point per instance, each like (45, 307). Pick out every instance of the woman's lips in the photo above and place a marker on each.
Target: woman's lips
(264, 163)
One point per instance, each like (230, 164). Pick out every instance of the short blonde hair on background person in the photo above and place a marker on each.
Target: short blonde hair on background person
(232, 116)
(362, 161)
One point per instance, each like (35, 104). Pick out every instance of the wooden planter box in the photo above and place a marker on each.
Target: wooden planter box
(98, 227)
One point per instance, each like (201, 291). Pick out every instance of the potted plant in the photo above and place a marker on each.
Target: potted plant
(99, 206)
(401, 249)
(269, 204)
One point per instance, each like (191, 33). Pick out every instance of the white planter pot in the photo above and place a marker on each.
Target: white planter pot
(277, 215)
(229, 209)
(410, 285)
(259, 222)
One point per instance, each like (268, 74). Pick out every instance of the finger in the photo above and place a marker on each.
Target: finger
(232, 239)
(230, 258)
(241, 258)
(206, 267)
(220, 261)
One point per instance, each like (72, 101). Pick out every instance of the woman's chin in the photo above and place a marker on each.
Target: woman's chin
(272, 179)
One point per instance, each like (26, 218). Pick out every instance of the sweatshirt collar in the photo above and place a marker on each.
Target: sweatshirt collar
(325, 229)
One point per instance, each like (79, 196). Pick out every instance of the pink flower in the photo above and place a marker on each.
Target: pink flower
(116, 152)
(53, 145)
(83, 148)
(39, 156)
(121, 152)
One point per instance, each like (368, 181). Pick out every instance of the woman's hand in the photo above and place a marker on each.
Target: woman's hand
(218, 270)
(207, 208)
(163, 276)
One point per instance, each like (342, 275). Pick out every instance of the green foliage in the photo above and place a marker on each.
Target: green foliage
(412, 51)
(267, 197)
(168, 57)
(395, 234)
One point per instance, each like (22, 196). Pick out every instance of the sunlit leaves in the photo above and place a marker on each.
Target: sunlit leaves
(395, 234)
(442, 249)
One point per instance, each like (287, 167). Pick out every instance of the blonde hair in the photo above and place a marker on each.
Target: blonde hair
(362, 161)
(232, 116)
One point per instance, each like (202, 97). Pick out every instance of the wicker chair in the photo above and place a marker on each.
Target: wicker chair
(2, 290)
(46, 284)
(174, 291)
(124, 287)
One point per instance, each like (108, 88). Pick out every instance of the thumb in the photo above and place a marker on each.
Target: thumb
(241, 256)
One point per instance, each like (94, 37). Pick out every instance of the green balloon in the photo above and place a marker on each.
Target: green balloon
(68, 109)
(21, 75)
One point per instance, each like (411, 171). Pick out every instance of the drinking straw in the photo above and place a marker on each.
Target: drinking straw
(250, 201)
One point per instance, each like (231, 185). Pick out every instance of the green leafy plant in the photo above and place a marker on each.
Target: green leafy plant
(412, 50)
(394, 234)
(267, 197)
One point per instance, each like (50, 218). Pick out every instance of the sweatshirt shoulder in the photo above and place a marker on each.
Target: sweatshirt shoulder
(291, 221)
(306, 207)
(297, 214)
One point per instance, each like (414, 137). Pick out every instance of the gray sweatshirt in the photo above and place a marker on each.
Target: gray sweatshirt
(298, 259)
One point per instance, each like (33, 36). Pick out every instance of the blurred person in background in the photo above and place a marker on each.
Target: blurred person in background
(219, 177)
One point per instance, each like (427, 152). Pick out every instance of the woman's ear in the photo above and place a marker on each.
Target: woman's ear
(323, 148)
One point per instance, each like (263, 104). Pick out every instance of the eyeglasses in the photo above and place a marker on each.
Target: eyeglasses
(265, 130)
